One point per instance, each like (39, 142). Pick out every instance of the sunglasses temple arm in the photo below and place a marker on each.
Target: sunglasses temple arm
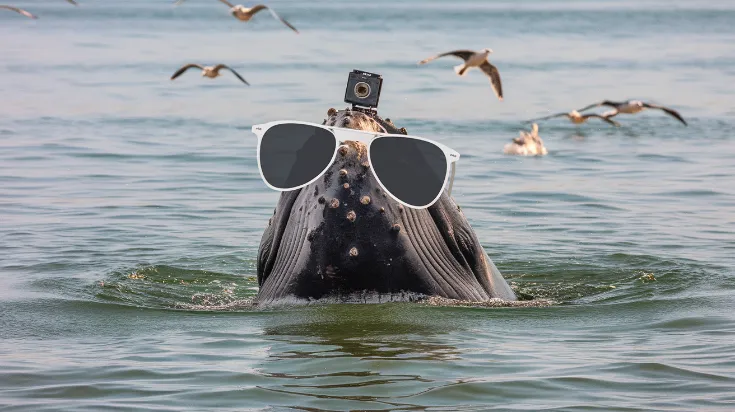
(451, 179)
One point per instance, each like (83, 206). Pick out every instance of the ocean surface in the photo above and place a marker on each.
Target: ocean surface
(131, 207)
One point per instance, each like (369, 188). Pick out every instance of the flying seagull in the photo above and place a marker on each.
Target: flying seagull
(72, 2)
(577, 118)
(17, 10)
(208, 71)
(632, 107)
(475, 59)
(243, 13)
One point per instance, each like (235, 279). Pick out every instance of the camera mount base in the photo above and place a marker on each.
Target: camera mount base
(372, 112)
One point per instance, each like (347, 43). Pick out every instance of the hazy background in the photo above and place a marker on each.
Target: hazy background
(131, 207)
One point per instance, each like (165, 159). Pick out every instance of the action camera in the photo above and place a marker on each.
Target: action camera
(363, 89)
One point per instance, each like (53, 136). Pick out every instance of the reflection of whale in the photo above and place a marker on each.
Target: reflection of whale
(340, 357)
(342, 235)
(362, 331)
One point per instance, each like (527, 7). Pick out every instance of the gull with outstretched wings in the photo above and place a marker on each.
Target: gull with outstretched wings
(243, 13)
(208, 71)
(633, 107)
(475, 59)
(577, 118)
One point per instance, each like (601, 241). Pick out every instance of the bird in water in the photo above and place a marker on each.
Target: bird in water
(17, 10)
(475, 59)
(633, 107)
(243, 13)
(577, 118)
(527, 144)
(208, 71)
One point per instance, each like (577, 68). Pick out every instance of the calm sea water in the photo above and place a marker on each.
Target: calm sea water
(131, 208)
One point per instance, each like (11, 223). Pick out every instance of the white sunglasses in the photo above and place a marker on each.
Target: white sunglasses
(411, 169)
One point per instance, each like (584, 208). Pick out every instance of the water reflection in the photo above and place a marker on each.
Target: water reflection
(369, 357)
(577, 134)
(361, 333)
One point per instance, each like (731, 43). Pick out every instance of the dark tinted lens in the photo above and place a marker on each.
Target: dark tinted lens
(412, 170)
(294, 154)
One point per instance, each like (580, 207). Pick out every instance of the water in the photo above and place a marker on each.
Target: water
(131, 208)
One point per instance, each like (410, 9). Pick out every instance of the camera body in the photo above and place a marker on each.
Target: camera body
(363, 89)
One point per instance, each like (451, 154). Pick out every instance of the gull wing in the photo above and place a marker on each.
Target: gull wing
(548, 117)
(17, 10)
(494, 75)
(670, 112)
(185, 68)
(260, 7)
(604, 118)
(462, 54)
(223, 66)
(602, 103)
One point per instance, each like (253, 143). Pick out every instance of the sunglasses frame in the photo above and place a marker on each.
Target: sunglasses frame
(341, 135)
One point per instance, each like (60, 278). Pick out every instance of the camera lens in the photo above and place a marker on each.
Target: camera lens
(362, 90)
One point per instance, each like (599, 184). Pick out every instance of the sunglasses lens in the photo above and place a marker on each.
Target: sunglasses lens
(412, 170)
(294, 154)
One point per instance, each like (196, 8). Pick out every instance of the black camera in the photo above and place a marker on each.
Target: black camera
(363, 89)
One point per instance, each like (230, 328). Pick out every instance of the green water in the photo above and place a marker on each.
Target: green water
(131, 208)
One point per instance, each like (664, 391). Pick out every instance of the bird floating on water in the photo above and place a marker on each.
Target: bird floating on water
(577, 118)
(633, 107)
(243, 13)
(208, 71)
(527, 144)
(17, 10)
(475, 59)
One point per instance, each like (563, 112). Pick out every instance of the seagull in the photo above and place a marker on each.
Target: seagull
(207, 71)
(243, 13)
(632, 107)
(72, 2)
(527, 144)
(17, 10)
(475, 59)
(577, 118)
